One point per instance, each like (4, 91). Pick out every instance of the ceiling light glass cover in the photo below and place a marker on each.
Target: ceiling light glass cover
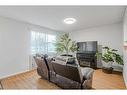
(69, 20)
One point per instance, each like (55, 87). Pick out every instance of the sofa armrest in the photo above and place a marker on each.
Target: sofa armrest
(87, 84)
(87, 77)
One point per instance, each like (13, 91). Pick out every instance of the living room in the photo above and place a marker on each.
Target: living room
(30, 31)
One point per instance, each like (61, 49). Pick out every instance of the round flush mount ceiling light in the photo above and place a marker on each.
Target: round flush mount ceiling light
(69, 20)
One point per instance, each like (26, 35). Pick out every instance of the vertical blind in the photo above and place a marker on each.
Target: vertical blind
(42, 42)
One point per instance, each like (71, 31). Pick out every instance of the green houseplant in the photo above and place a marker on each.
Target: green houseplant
(109, 56)
(66, 45)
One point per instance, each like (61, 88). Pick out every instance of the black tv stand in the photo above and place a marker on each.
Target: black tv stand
(86, 54)
(87, 59)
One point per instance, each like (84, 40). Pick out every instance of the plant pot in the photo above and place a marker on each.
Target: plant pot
(107, 70)
(107, 67)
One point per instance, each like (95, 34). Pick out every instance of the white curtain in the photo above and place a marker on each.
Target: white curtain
(43, 43)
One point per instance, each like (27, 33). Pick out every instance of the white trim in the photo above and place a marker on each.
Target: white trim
(3, 77)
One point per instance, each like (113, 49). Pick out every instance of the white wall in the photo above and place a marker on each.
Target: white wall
(108, 35)
(15, 46)
(125, 51)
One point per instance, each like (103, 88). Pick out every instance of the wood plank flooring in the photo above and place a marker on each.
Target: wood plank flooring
(28, 80)
(31, 80)
(102, 80)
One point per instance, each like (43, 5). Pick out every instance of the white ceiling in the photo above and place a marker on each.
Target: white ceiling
(52, 16)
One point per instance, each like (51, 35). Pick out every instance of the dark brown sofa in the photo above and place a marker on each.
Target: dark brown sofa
(42, 67)
(72, 76)
(69, 76)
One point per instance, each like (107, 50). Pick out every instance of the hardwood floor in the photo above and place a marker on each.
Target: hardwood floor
(102, 80)
(28, 80)
(31, 80)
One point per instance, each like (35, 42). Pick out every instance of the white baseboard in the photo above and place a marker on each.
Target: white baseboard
(3, 77)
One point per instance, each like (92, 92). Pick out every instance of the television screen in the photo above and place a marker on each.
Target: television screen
(90, 46)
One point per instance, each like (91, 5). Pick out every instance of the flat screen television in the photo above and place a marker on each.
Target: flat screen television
(89, 46)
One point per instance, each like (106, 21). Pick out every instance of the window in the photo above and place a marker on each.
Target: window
(51, 43)
(42, 42)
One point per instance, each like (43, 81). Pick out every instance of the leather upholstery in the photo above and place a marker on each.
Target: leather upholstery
(67, 76)
(42, 68)
(68, 71)
(72, 76)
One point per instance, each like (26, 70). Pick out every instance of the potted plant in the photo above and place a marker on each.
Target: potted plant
(65, 45)
(108, 57)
